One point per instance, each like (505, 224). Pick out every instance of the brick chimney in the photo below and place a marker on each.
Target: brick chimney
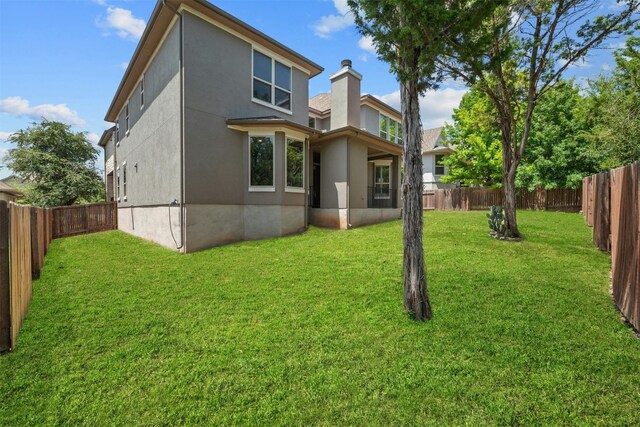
(345, 97)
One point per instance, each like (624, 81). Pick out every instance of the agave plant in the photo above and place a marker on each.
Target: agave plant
(496, 221)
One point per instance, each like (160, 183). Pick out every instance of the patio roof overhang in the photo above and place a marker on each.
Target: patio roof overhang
(374, 142)
(271, 124)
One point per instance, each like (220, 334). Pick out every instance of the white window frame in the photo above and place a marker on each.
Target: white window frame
(117, 133)
(262, 188)
(376, 164)
(286, 165)
(380, 116)
(273, 83)
(118, 184)
(396, 139)
(435, 165)
(142, 92)
(126, 119)
(124, 181)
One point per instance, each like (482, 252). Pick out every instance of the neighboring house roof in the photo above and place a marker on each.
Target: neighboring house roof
(322, 104)
(106, 136)
(432, 142)
(159, 23)
(6, 188)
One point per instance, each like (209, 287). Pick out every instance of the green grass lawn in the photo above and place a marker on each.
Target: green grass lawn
(311, 330)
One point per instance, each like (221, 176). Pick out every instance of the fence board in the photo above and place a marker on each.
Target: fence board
(5, 290)
(20, 261)
(82, 219)
(601, 225)
(466, 199)
(621, 216)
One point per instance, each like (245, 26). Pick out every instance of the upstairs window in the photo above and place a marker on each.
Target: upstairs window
(124, 181)
(390, 129)
(117, 134)
(439, 164)
(295, 164)
(142, 93)
(312, 122)
(271, 81)
(383, 126)
(261, 163)
(126, 118)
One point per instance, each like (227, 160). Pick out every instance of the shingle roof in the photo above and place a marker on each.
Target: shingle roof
(321, 102)
(6, 188)
(430, 138)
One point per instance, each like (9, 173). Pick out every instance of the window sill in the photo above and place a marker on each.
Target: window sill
(294, 190)
(273, 107)
(262, 189)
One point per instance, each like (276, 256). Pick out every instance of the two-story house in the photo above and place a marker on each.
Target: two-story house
(434, 151)
(214, 141)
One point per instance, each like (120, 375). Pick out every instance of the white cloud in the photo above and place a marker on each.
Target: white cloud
(581, 63)
(330, 24)
(16, 106)
(123, 22)
(124, 65)
(366, 43)
(5, 135)
(607, 67)
(93, 138)
(436, 107)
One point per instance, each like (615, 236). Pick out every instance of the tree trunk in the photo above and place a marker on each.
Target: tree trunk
(416, 300)
(509, 204)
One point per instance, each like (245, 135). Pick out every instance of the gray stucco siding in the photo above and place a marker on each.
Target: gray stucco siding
(370, 119)
(153, 142)
(218, 84)
(218, 75)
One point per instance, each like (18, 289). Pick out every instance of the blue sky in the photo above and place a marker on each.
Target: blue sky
(63, 59)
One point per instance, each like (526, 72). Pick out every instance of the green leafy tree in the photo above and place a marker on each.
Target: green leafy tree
(475, 138)
(559, 153)
(615, 109)
(518, 55)
(409, 35)
(57, 162)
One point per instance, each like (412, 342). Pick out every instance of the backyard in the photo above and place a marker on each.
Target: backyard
(311, 329)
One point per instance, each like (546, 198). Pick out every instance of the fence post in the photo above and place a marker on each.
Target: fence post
(35, 244)
(5, 293)
(86, 219)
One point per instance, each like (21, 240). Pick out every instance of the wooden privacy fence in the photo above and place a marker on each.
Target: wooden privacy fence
(611, 205)
(469, 199)
(25, 235)
(83, 219)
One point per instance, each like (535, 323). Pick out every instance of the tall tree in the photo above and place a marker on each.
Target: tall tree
(518, 55)
(615, 109)
(409, 35)
(57, 162)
